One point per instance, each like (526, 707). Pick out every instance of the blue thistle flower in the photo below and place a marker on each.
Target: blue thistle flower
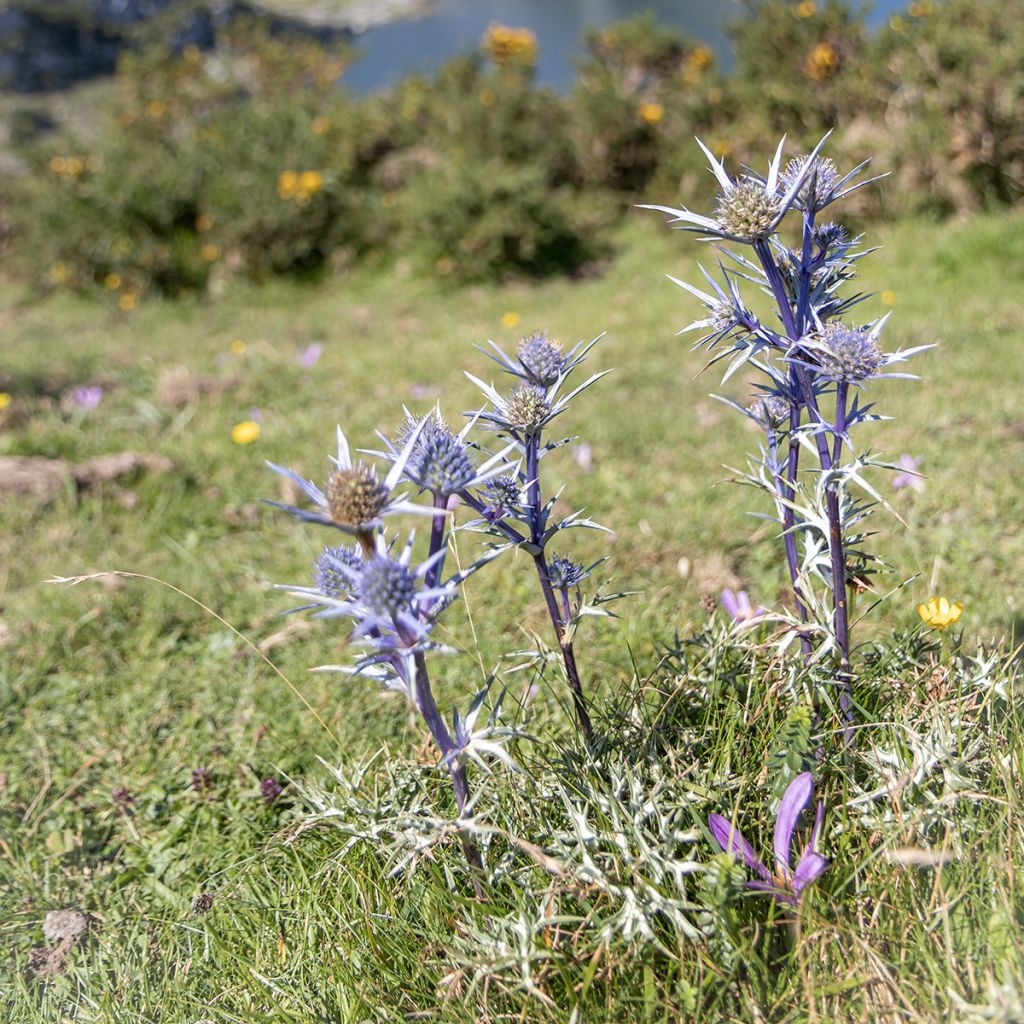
(527, 409)
(354, 500)
(848, 354)
(539, 360)
(383, 595)
(821, 184)
(564, 573)
(441, 461)
(502, 497)
(748, 210)
(331, 580)
(830, 236)
(770, 412)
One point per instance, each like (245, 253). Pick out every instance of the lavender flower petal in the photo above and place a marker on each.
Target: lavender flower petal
(794, 800)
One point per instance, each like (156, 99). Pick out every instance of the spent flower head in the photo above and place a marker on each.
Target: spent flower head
(749, 209)
(354, 499)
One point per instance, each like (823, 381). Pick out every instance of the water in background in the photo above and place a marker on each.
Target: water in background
(451, 27)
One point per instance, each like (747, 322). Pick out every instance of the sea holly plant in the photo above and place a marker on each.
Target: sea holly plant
(515, 506)
(391, 602)
(814, 359)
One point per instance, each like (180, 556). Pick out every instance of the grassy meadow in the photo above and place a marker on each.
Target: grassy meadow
(126, 684)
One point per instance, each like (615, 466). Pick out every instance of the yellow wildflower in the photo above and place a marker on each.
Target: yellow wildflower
(238, 347)
(75, 166)
(156, 109)
(245, 432)
(896, 23)
(806, 9)
(204, 222)
(700, 58)
(721, 148)
(59, 273)
(822, 62)
(309, 183)
(127, 302)
(939, 613)
(321, 125)
(57, 164)
(287, 183)
(509, 319)
(889, 297)
(210, 253)
(5, 400)
(652, 113)
(112, 281)
(505, 45)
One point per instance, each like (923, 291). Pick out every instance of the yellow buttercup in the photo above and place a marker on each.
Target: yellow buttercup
(939, 613)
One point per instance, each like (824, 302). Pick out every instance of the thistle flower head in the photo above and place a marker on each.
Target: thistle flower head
(786, 883)
(440, 461)
(848, 354)
(355, 497)
(526, 408)
(331, 579)
(750, 208)
(821, 181)
(387, 587)
(831, 235)
(542, 359)
(564, 573)
(770, 412)
(747, 211)
(502, 497)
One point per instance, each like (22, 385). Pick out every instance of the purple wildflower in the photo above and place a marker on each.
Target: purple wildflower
(310, 355)
(122, 796)
(786, 884)
(739, 607)
(270, 789)
(87, 396)
(202, 780)
(911, 465)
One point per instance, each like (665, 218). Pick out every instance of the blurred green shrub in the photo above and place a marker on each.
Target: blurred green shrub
(642, 90)
(252, 161)
(951, 101)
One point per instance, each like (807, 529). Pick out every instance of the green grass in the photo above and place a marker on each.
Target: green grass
(127, 683)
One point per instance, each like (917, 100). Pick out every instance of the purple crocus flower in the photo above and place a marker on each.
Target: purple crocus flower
(87, 396)
(739, 607)
(910, 465)
(309, 356)
(786, 883)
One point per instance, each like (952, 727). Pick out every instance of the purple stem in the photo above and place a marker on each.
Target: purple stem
(437, 541)
(457, 770)
(572, 672)
(785, 489)
(803, 376)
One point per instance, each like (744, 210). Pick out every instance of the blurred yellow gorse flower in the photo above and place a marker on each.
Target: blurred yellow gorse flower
(822, 62)
(651, 113)
(938, 613)
(506, 45)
